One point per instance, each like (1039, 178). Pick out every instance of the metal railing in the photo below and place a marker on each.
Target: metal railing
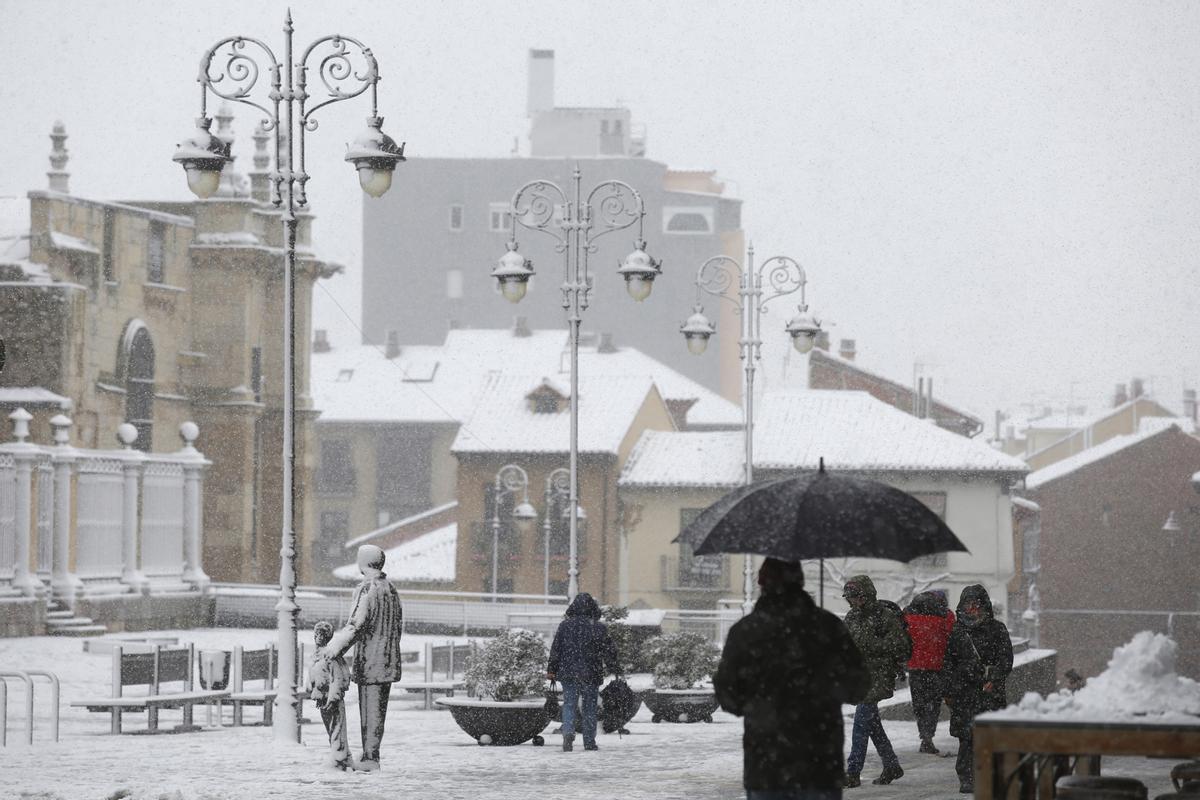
(26, 677)
(697, 574)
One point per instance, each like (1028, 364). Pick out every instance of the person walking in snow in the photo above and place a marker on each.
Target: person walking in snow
(929, 623)
(328, 680)
(979, 657)
(374, 628)
(879, 635)
(580, 656)
(787, 668)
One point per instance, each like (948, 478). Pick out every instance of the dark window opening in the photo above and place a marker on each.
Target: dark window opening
(107, 257)
(256, 373)
(155, 255)
(336, 473)
(139, 386)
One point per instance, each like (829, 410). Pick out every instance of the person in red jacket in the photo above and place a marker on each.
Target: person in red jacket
(929, 623)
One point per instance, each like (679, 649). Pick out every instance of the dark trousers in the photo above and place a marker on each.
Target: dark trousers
(926, 688)
(572, 693)
(965, 764)
(334, 717)
(793, 794)
(372, 711)
(868, 725)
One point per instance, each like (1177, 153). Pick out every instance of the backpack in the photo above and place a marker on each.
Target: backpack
(907, 647)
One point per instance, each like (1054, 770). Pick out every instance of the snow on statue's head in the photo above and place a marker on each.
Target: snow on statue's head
(370, 557)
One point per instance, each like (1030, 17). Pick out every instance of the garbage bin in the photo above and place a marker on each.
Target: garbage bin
(214, 669)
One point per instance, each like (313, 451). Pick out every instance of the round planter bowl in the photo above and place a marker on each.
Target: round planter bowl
(681, 705)
(500, 723)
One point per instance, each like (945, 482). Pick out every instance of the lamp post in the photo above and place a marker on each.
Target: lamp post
(784, 276)
(558, 483)
(509, 480)
(230, 70)
(575, 222)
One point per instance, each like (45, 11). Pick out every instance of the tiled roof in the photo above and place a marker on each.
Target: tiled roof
(793, 430)
(502, 420)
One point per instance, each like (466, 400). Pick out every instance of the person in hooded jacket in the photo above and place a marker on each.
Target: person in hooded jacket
(879, 635)
(979, 658)
(930, 621)
(788, 667)
(581, 655)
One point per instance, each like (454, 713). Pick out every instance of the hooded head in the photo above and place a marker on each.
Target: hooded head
(928, 604)
(974, 604)
(370, 557)
(777, 577)
(584, 605)
(859, 586)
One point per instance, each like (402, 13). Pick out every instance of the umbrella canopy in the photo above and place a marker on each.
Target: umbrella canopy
(820, 515)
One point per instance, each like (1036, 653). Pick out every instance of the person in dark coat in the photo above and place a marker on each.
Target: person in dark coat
(879, 635)
(979, 658)
(788, 667)
(374, 628)
(930, 621)
(581, 655)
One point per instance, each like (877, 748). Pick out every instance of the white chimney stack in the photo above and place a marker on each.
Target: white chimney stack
(541, 81)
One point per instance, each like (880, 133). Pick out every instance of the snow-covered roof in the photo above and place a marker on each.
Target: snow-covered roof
(1151, 424)
(429, 557)
(32, 395)
(1091, 455)
(432, 383)
(1028, 505)
(392, 527)
(793, 430)
(502, 420)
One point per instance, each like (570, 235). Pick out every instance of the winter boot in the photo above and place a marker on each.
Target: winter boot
(927, 746)
(568, 744)
(592, 746)
(966, 787)
(888, 775)
(852, 781)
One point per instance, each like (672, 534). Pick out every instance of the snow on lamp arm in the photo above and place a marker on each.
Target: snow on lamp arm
(783, 276)
(575, 222)
(231, 69)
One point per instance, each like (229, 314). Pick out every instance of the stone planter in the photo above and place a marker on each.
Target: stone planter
(496, 722)
(681, 705)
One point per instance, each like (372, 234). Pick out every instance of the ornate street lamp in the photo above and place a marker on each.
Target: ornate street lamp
(346, 68)
(575, 223)
(509, 480)
(784, 276)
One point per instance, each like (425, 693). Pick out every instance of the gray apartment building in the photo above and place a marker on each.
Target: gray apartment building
(430, 244)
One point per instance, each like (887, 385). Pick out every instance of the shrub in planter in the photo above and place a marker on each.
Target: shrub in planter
(626, 640)
(512, 665)
(681, 660)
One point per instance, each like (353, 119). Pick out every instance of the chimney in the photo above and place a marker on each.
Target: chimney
(823, 341)
(392, 348)
(919, 399)
(928, 398)
(846, 349)
(58, 159)
(1136, 388)
(521, 328)
(320, 341)
(541, 81)
(260, 177)
(606, 344)
(1189, 404)
(453, 324)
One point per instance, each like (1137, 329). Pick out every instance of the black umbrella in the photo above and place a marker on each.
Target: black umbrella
(820, 515)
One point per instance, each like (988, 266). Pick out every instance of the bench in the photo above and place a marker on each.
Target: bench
(263, 666)
(430, 687)
(152, 670)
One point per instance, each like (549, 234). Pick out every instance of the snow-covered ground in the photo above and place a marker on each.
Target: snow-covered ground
(424, 755)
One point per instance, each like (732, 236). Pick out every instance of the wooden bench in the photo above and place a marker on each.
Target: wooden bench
(152, 670)
(429, 687)
(262, 666)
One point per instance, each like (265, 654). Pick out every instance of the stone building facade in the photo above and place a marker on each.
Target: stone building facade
(158, 312)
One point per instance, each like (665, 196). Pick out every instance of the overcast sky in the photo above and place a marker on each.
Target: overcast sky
(1006, 192)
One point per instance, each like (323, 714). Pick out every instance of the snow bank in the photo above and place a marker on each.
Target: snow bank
(1140, 681)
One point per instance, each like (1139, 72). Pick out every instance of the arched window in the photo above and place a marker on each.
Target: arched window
(136, 366)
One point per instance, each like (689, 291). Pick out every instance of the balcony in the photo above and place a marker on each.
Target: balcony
(704, 574)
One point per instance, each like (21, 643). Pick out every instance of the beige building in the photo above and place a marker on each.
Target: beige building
(153, 313)
(670, 477)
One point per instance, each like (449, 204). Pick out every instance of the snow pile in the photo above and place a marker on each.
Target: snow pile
(1140, 681)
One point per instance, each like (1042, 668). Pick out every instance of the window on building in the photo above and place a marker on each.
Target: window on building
(108, 256)
(454, 284)
(344, 375)
(156, 253)
(456, 217)
(504, 586)
(500, 217)
(329, 548)
(336, 472)
(403, 470)
(604, 127)
(136, 365)
(618, 127)
(688, 219)
(693, 570)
